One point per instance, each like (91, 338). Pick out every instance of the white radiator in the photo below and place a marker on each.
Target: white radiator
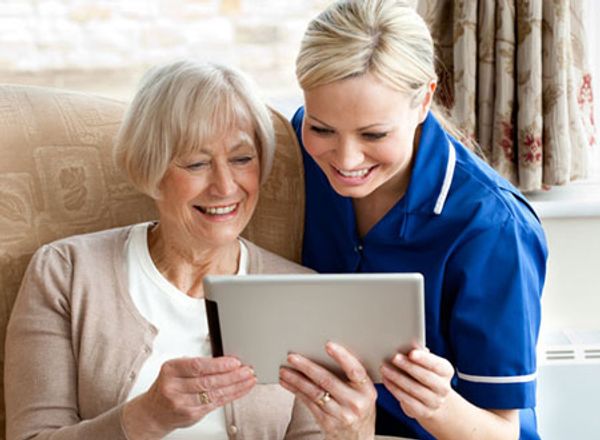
(568, 388)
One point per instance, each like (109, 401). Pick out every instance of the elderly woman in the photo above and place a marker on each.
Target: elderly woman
(108, 338)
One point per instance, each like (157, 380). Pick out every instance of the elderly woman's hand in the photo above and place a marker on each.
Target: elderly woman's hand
(345, 409)
(184, 392)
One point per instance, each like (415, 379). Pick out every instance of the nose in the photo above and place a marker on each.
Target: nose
(349, 154)
(223, 180)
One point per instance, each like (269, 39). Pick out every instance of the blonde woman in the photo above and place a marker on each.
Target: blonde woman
(108, 337)
(390, 189)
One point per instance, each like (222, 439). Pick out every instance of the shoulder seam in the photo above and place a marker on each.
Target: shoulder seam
(59, 252)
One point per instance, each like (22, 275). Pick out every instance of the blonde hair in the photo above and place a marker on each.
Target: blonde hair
(386, 38)
(178, 108)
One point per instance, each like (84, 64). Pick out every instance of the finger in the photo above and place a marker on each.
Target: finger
(308, 390)
(422, 374)
(323, 378)
(214, 381)
(327, 422)
(433, 362)
(411, 406)
(352, 367)
(220, 396)
(320, 416)
(321, 413)
(411, 387)
(192, 367)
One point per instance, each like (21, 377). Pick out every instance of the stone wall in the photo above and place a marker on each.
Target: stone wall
(104, 45)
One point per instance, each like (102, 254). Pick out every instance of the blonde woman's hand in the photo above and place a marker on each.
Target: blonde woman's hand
(344, 409)
(185, 391)
(420, 381)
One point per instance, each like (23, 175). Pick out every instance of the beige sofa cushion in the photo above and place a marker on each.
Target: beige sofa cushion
(57, 178)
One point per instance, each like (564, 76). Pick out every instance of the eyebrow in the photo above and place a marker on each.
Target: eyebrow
(244, 141)
(366, 127)
(241, 144)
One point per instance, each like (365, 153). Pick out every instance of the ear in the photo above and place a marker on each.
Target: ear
(427, 101)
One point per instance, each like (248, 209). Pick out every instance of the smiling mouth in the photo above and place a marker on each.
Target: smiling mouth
(355, 174)
(217, 210)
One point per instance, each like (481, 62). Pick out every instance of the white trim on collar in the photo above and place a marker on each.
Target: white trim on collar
(439, 204)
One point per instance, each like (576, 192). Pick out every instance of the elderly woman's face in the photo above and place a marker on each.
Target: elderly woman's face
(211, 195)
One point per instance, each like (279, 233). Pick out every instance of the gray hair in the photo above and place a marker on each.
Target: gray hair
(181, 106)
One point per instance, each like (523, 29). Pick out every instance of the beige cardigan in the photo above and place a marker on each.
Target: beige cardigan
(76, 342)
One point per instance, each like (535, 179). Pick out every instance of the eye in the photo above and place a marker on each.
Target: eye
(321, 130)
(197, 165)
(242, 160)
(373, 136)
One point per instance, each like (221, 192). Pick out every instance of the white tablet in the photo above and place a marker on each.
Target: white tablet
(261, 318)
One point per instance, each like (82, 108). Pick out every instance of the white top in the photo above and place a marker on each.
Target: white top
(181, 323)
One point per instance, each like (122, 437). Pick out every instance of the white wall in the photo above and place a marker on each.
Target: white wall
(571, 298)
(571, 220)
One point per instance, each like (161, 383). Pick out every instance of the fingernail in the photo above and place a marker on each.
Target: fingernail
(332, 346)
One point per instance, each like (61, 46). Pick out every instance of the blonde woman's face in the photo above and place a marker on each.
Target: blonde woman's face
(209, 197)
(361, 132)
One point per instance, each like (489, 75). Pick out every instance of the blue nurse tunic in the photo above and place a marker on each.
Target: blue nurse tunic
(482, 252)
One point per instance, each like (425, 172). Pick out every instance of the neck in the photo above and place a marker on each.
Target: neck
(186, 266)
(371, 209)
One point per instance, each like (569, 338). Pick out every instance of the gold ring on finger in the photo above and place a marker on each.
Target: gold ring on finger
(326, 397)
(203, 398)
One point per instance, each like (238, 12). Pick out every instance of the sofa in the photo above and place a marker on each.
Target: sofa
(57, 178)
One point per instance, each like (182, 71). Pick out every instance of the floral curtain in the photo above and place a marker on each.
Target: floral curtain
(514, 74)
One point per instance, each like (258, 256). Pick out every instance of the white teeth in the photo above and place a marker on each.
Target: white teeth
(359, 173)
(221, 210)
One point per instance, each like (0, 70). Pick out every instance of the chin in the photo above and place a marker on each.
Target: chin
(218, 238)
(354, 192)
